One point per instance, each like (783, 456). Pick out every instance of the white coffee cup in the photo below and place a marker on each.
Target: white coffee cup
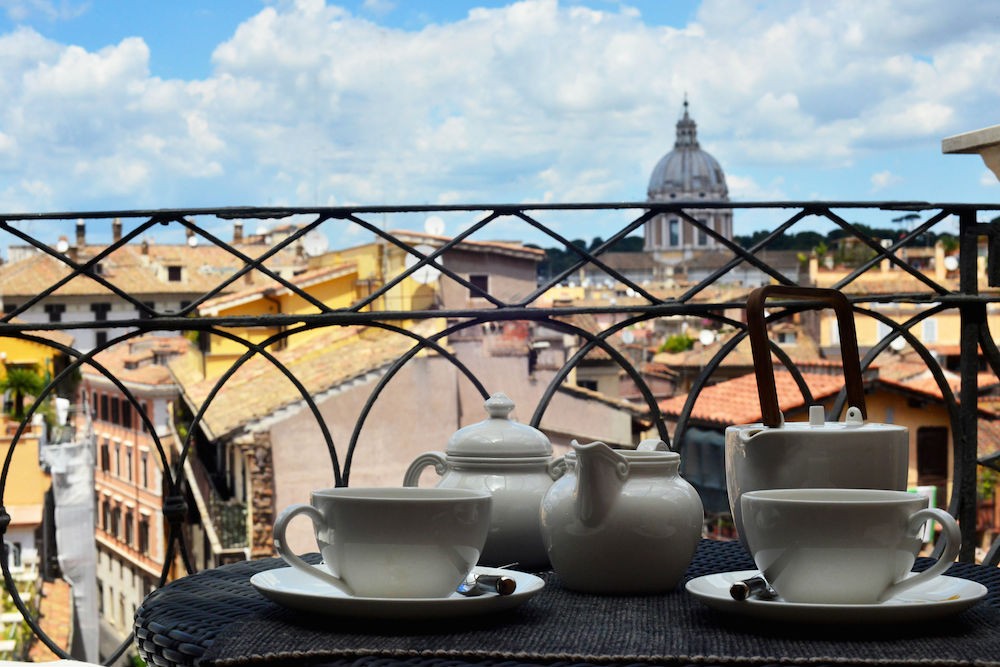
(392, 542)
(842, 546)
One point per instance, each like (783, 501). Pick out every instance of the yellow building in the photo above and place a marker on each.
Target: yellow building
(27, 483)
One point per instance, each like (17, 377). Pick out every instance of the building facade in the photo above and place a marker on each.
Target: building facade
(687, 174)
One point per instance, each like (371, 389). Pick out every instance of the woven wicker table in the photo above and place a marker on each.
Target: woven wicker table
(217, 618)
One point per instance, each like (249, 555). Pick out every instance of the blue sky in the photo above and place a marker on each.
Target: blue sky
(143, 104)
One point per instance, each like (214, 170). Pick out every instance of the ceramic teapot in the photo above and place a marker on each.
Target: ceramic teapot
(514, 462)
(775, 454)
(621, 521)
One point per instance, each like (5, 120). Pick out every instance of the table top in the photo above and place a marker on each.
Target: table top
(217, 618)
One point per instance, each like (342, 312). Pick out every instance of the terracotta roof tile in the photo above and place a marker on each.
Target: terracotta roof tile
(736, 401)
(326, 361)
(302, 280)
(141, 360)
(408, 236)
(203, 268)
(804, 350)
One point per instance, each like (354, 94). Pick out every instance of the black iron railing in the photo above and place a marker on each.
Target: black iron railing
(709, 295)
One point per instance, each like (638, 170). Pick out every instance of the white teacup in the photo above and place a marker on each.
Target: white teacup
(392, 542)
(842, 546)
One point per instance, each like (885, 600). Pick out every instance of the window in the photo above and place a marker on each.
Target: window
(144, 472)
(126, 414)
(930, 331)
(100, 311)
(106, 516)
(128, 463)
(12, 554)
(786, 337)
(480, 281)
(118, 460)
(174, 274)
(116, 520)
(105, 457)
(115, 410)
(128, 528)
(144, 535)
(932, 459)
(9, 308)
(702, 235)
(93, 406)
(55, 311)
(674, 235)
(100, 338)
(105, 412)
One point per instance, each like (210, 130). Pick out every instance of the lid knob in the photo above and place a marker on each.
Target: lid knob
(499, 406)
(499, 436)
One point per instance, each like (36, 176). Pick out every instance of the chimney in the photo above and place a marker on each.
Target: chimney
(81, 233)
(116, 230)
(145, 247)
(237, 232)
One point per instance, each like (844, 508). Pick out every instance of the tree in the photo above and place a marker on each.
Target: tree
(21, 381)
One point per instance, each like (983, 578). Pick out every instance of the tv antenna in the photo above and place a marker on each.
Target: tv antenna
(426, 274)
(434, 226)
(315, 243)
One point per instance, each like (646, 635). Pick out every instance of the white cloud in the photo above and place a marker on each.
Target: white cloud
(989, 179)
(883, 180)
(745, 188)
(537, 100)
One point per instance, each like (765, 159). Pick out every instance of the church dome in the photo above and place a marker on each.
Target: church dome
(687, 172)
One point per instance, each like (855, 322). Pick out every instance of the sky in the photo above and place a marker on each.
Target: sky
(143, 104)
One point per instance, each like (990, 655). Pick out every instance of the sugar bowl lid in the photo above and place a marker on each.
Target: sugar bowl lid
(499, 436)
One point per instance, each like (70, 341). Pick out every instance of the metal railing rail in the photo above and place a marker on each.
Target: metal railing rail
(969, 223)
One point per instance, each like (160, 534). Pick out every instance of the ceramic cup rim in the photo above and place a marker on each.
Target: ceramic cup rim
(405, 494)
(833, 496)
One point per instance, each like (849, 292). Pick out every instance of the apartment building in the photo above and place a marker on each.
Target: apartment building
(128, 478)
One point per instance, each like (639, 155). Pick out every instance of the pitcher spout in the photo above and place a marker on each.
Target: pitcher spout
(600, 471)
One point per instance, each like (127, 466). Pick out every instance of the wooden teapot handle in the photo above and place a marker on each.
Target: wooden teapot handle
(761, 349)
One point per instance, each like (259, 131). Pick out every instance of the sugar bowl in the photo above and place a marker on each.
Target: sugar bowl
(511, 460)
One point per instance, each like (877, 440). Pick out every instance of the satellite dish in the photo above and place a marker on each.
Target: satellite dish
(192, 241)
(898, 344)
(315, 243)
(434, 226)
(951, 263)
(62, 245)
(426, 274)
(706, 336)
(628, 337)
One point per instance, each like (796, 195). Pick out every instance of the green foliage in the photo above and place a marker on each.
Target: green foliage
(986, 482)
(21, 382)
(677, 343)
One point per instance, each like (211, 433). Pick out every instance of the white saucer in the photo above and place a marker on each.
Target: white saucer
(297, 590)
(941, 596)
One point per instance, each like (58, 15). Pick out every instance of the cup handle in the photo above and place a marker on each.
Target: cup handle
(953, 543)
(291, 557)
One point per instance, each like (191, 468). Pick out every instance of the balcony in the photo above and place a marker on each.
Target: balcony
(295, 355)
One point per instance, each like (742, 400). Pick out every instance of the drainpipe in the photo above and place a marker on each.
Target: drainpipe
(268, 295)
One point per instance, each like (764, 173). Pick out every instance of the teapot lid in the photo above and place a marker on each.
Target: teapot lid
(499, 436)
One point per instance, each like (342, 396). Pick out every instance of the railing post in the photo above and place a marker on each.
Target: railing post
(972, 314)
